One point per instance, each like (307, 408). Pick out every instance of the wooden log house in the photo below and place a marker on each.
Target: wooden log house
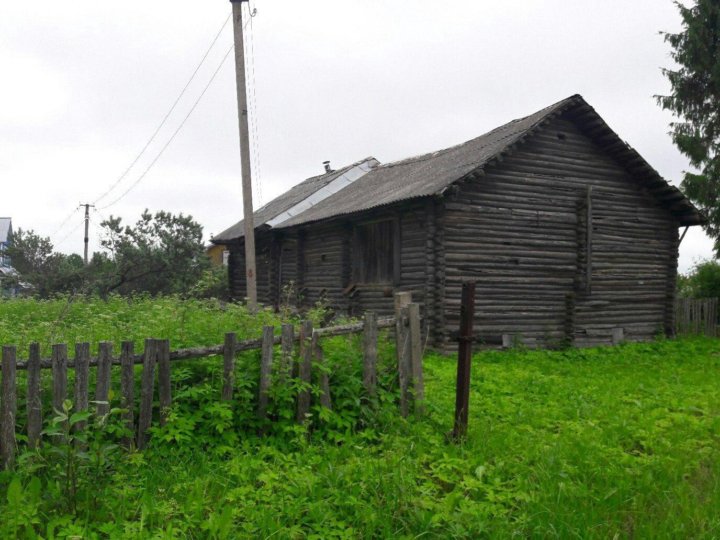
(571, 235)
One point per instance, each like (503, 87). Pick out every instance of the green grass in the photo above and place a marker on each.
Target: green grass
(600, 443)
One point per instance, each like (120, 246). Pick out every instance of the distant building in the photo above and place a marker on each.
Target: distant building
(218, 254)
(5, 239)
(9, 282)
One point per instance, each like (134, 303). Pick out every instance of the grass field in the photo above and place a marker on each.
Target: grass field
(600, 443)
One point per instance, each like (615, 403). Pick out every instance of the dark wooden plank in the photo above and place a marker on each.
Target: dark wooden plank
(82, 372)
(34, 399)
(305, 370)
(164, 379)
(462, 388)
(266, 360)
(402, 346)
(287, 345)
(127, 389)
(59, 375)
(102, 381)
(146, 391)
(8, 409)
(416, 356)
(229, 366)
(370, 344)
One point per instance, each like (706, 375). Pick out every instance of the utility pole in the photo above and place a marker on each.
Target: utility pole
(87, 228)
(250, 273)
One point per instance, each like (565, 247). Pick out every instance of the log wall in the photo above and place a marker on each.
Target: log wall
(318, 260)
(521, 232)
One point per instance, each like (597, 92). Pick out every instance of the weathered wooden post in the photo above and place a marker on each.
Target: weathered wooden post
(164, 379)
(370, 337)
(402, 341)
(229, 366)
(462, 390)
(102, 381)
(416, 352)
(8, 408)
(305, 370)
(59, 375)
(287, 343)
(82, 374)
(146, 391)
(127, 389)
(34, 403)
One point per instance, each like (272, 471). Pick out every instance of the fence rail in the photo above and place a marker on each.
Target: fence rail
(696, 316)
(156, 362)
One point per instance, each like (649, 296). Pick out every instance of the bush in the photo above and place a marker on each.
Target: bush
(703, 281)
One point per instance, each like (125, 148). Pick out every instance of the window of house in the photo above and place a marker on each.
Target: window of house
(376, 252)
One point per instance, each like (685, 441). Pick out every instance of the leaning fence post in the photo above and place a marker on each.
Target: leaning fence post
(102, 381)
(304, 370)
(370, 337)
(402, 299)
(82, 369)
(146, 392)
(265, 370)
(127, 388)
(164, 383)
(34, 402)
(229, 366)
(462, 389)
(317, 351)
(416, 351)
(8, 410)
(59, 375)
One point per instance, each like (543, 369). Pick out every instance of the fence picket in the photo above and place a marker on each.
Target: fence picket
(164, 380)
(305, 370)
(127, 389)
(287, 343)
(229, 366)
(416, 356)
(370, 338)
(102, 380)
(59, 375)
(34, 401)
(82, 372)
(146, 392)
(8, 408)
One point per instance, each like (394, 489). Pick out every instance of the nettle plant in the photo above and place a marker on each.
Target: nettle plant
(79, 456)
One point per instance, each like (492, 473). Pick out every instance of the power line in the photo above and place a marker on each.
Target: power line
(167, 115)
(74, 229)
(65, 221)
(172, 138)
(253, 104)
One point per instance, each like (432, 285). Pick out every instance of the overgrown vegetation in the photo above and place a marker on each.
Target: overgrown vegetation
(161, 253)
(599, 443)
(703, 281)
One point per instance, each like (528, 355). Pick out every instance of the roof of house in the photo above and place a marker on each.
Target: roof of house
(431, 174)
(285, 202)
(5, 229)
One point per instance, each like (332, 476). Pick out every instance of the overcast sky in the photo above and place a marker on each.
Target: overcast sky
(85, 84)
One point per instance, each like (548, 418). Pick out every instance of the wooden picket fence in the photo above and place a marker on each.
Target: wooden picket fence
(158, 357)
(696, 316)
